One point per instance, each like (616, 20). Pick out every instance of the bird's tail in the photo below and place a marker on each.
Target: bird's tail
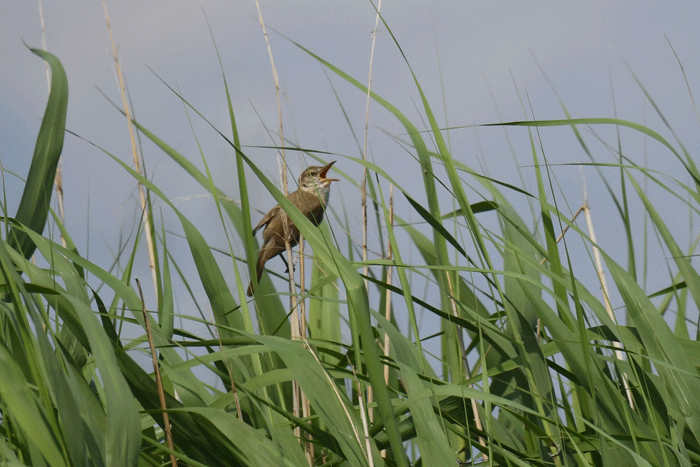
(268, 252)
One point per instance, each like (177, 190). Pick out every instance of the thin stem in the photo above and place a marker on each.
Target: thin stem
(135, 153)
(159, 380)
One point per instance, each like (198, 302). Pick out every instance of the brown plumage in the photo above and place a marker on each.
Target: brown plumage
(311, 198)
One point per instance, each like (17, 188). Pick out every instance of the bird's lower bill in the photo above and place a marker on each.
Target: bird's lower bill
(322, 173)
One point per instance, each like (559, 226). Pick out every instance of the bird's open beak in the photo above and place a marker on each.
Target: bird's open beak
(325, 170)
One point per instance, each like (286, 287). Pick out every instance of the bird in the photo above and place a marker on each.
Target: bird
(311, 199)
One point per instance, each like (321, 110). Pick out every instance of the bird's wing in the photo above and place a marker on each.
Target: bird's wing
(266, 220)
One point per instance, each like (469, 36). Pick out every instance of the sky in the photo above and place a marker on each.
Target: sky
(478, 62)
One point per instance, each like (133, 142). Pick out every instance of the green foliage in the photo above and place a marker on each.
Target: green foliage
(533, 369)
(34, 206)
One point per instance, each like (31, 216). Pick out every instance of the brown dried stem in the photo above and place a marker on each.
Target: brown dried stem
(135, 153)
(365, 269)
(296, 331)
(159, 381)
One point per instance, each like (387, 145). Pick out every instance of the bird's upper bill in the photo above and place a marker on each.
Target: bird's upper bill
(324, 171)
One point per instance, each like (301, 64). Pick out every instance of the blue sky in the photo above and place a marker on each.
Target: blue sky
(474, 60)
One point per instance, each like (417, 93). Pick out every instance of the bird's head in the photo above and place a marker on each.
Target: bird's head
(315, 180)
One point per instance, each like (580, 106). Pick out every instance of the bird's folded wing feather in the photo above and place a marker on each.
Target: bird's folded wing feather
(266, 220)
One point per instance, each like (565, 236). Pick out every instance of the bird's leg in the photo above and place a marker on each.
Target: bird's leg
(286, 264)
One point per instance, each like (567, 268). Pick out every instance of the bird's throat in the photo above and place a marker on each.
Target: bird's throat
(321, 190)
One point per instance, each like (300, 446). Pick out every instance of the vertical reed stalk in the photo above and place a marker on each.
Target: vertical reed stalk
(365, 269)
(135, 153)
(159, 380)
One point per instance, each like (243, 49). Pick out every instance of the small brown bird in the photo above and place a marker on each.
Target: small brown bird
(311, 199)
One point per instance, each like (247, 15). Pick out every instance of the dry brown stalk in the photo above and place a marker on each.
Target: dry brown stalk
(389, 273)
(561, 235)
(365, 269)
(619, 354)
(135, 153)
(159, 381)
(467, 372)
(296, 334)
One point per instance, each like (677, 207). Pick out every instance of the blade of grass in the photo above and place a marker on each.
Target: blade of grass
(34, 206)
